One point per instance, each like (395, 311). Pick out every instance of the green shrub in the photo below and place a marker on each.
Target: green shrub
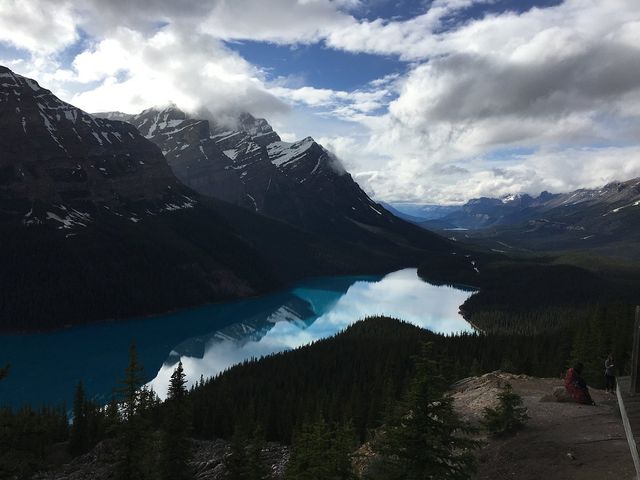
(509, 416)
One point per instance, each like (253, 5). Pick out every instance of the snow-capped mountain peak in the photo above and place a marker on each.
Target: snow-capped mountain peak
(245, 162)
(63, 163)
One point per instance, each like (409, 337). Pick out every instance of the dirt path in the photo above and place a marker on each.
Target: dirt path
(561, 441)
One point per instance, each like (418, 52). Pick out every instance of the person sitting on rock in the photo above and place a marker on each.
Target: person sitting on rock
(576, 386)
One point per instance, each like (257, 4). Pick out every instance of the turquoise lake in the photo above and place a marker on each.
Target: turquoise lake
(45, 367)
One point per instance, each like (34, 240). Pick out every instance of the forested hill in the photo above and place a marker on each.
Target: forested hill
(354, 380)
(357, 374)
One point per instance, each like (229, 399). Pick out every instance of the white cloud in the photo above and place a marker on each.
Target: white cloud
(555, 171)
(346, 105)
(555, 80)
(130, 71)
(552, 81)
(190, 70)
(30, 25)
(278, 21)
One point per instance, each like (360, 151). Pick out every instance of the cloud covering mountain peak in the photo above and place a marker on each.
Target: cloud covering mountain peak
(485, 97)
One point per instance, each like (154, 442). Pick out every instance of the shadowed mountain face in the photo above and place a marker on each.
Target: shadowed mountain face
(249, 165)
(95, 225)
(61, 166)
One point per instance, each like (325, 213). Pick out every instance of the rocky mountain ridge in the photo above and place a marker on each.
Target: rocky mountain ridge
(605, 219)
(249, 165)
(487, 212)
(60, 166)
(95, 225)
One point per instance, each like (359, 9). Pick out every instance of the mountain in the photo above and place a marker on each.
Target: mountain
(605, 219)
(420, 212)
(95, 225)
(409, 218)
(247, 163)
(486, 212)
(59, 164)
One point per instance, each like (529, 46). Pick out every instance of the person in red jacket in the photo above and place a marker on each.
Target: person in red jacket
(576, 386)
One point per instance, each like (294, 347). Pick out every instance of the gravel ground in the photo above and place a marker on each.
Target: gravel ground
(561, 440)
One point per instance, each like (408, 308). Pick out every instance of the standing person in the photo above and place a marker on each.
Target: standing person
(576, 386)
(609, 374)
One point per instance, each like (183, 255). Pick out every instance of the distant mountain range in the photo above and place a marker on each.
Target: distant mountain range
(95, 224)
(420, 212)
(606, 219)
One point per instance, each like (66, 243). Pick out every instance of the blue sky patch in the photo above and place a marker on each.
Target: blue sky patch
(317, 65)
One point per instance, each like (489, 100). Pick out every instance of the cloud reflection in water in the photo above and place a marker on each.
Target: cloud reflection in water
(303, 319)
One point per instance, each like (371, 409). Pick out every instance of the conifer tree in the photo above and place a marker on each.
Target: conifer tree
(236, 460)
(256, 469)
(508, 416)
(310, 453)
(424, 438)
(131, 435)
(148, 407)
(175, 452)
(79, 434)
(322, 452)
(344, 443)
(111, 416)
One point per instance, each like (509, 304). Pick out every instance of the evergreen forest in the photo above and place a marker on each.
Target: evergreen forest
(331, 396)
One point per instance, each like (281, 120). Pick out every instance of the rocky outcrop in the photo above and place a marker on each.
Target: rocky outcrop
(207, 462)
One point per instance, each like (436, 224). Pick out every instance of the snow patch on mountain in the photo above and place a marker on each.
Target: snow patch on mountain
(282, 153)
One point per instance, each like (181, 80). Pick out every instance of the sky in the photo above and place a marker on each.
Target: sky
(426, 101)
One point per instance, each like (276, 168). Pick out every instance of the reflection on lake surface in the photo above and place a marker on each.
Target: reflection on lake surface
(209, 339)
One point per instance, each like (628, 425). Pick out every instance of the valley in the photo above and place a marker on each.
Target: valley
(280, 321)
(99, 210)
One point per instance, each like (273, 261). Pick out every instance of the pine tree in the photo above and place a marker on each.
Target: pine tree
(148, 407)
(236, 460)
(345, 442)
(509, 416)
(132, 434)
(310, 453)
(424, 438)
(112, 416)
(175, 452)
(256, 469)
(507, 365)
(95, 422)
(322, 452)
(79, 435)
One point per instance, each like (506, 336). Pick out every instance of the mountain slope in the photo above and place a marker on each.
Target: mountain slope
(59, 164)
(94, 225)
(249, 165)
